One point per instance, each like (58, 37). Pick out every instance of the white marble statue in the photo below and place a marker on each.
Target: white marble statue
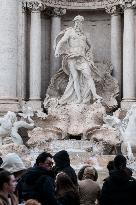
(129, 124)
(9, 126)
(77, 63)
(124, 129)
(6, 124)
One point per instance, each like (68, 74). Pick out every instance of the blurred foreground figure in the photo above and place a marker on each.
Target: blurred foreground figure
(119, 188)
(89, 189)
(66, 191)
(62, 164)
(38, 182)
(32, 202)
(7, 187)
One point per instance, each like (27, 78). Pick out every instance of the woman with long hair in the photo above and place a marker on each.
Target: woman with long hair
(66, 192)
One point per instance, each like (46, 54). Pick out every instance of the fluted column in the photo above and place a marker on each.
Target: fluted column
(8, 55)
(56, 14)
(21, 79)
(129, 91)
(116, 43)
(35, 53)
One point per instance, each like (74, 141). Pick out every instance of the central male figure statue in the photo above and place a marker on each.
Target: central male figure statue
(73, 46)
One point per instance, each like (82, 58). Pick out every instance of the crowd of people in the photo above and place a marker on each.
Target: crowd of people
(52, 181)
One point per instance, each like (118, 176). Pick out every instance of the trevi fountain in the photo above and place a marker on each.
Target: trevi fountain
(80, 112)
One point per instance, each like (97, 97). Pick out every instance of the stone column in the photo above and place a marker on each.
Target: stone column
(35, 53)
(116, 43)
(8, 55)
(129, 91)
(21, 80)
(55, 30)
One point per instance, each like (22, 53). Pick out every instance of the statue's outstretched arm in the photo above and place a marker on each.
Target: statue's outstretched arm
(61, 43)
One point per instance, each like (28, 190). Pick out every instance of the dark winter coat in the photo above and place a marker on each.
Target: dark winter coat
(37, 183)
(69, 198)
(118, 189)
(62, 163)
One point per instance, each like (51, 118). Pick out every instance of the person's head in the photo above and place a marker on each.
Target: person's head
(45, 160)
(32, 202)
(14, 164)
(110, 165)
(7, 182)
(120, 162)
(63, 183)
(81, 173)
(78, 21)
(89, 173)
(61, 159)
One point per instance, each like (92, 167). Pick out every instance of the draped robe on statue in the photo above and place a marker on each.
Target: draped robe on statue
(83, 65)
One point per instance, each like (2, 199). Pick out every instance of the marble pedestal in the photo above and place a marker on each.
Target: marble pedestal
(6, 105)
(127, 103)
(35, 104)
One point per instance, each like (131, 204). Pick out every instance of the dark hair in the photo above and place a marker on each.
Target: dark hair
(110, 165)
(42, 157)
(120, 162)
(64, 184)
(4, 178)
(81, 172)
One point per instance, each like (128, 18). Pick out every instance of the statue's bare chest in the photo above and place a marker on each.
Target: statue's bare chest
(76, 38)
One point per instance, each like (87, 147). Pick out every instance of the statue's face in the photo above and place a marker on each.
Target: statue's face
(78, 25)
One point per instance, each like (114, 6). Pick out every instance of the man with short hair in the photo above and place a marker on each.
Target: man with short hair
(38, 182)
(119, 188)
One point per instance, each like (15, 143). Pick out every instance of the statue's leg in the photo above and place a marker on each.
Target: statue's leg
(87, 74)
(72, 68)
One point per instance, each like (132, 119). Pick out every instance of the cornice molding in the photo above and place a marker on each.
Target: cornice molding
(111, 6)
(56, 11)
(75, 4)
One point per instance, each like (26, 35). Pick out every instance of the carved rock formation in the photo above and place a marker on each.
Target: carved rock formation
(106, 86)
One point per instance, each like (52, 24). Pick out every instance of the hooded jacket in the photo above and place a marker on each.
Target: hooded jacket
(37, 183)
(118, 189)
(62, 163)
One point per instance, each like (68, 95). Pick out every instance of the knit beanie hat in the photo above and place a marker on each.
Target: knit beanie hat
(12, 163)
